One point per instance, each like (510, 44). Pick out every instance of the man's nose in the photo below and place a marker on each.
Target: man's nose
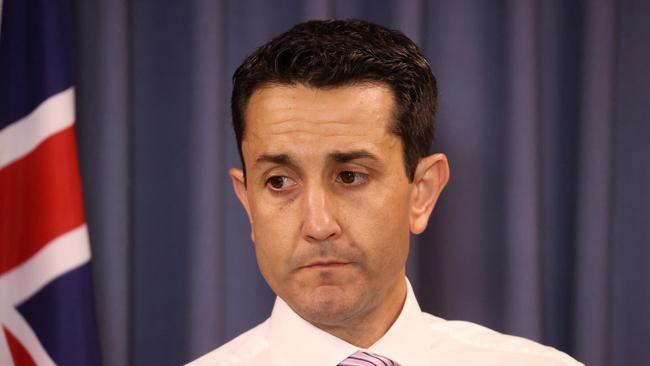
(319, 221)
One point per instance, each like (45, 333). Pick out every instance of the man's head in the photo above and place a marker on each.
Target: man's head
(334, 121)
(331, 53)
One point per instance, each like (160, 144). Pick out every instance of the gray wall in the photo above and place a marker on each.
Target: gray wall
(543, 231)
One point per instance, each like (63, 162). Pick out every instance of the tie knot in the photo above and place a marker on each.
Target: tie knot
(362, 358)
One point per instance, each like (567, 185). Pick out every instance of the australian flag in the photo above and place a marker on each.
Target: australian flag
(46, 296)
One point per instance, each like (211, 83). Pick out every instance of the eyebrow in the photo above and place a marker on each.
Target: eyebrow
(280, 159)
(336, 156)
(347, 156)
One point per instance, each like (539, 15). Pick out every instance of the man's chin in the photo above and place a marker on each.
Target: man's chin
(327, 306)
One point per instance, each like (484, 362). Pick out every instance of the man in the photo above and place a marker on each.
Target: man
(334, 123)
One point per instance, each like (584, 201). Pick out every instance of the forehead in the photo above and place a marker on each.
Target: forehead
(300, 117)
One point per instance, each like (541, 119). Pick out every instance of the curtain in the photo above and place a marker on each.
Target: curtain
(543, 231)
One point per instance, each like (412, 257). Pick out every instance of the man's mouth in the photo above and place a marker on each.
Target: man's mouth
(325, 264)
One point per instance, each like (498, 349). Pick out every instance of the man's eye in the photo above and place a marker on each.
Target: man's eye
(278, 182)
(352, 178)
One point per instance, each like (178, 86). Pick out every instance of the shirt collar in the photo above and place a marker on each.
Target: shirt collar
(407, 341)
(293, 340)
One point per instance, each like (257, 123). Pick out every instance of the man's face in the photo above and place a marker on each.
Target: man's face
(328, 198)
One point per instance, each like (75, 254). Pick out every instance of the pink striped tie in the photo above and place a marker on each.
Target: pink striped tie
(360, 358)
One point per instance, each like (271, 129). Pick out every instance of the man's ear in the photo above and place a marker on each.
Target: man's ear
(239, 185)
(431, 176)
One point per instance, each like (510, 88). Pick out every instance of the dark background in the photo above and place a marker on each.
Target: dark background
(543, 232)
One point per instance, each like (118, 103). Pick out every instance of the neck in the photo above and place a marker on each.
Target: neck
(364, 331)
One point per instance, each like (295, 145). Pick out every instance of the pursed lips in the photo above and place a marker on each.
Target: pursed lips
(325, 264)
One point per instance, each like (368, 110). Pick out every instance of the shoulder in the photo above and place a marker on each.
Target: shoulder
(245, 349)
(478, 344)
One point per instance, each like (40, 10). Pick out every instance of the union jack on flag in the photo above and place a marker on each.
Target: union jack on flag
(46, 296)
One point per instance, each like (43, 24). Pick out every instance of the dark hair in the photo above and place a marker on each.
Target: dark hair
(331, 53)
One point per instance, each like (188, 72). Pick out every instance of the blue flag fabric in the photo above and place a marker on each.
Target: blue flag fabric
(47, 310)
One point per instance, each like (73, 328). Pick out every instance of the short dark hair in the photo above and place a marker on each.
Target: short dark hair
(331, 53)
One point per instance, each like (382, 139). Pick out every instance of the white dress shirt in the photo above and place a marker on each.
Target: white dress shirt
(416, 338)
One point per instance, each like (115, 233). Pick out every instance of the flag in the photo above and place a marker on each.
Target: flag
(46, 296)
